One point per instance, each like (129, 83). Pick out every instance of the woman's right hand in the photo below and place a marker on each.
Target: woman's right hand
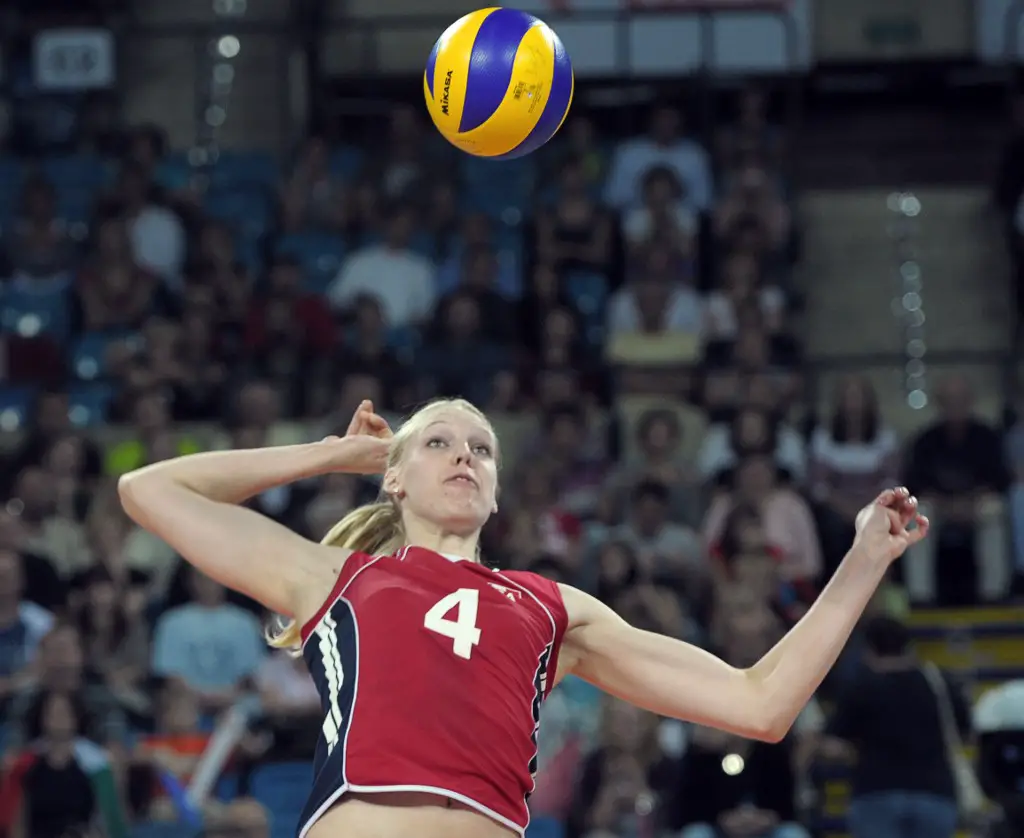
(365, 447)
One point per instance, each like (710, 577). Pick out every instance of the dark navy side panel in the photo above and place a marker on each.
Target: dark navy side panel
(332, 656)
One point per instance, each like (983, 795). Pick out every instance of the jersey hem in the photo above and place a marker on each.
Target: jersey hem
(453, 795)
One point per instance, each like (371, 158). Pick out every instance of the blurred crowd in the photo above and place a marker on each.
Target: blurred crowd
(623, 307)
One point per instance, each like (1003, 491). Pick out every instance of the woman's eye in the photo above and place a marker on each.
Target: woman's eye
(482, 450)
(435, 442)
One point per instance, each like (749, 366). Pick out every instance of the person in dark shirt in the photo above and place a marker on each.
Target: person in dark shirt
(957, 467)
(890, 718)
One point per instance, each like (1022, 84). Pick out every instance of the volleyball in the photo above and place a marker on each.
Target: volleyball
(498, 83)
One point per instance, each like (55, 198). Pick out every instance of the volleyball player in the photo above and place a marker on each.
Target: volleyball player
(431, 667)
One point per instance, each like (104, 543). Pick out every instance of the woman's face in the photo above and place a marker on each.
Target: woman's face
(447, 475)
(614, 564)
(853, 396)
(751, 430)
(59, 720)
(112, 240)
(660, 436)
(102, 595)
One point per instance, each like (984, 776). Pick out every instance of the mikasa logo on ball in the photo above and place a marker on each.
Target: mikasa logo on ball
(446, 91)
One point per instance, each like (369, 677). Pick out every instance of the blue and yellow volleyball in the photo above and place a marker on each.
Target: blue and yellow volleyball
(498, 83)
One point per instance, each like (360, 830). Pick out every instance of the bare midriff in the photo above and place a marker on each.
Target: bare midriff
(405, 814)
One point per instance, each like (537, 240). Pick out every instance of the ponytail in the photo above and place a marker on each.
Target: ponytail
(374, 529)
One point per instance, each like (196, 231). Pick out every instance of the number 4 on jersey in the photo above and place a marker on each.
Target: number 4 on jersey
(462, 630)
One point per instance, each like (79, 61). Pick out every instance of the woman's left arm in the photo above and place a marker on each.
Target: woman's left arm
(673, 678)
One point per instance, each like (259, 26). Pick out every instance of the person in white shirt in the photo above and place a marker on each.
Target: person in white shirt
(157, 235)
(403, 281)
(664, 146)
(656, 301)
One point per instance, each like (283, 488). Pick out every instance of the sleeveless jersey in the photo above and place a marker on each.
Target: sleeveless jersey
(431, 673)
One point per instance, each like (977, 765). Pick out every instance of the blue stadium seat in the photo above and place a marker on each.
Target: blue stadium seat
(321, 255)
(15, 407)
(545, 828)
(498, 187)
(29, 314)
(78, 171)
(249, 209)
(162, 830)
(245, 168)
(88, 355)
(346, 162)
(226, 788)
(89, 403)
(282, 788)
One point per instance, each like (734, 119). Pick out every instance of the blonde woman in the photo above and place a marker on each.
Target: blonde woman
(431, 668)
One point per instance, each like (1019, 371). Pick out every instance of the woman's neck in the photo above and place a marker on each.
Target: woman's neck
(447, 544)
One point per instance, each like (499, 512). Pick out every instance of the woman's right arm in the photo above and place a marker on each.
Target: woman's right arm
(192, 503)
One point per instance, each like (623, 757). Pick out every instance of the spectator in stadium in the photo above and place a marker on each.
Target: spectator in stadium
(61, 668)
(891, 720)
(751, 433)
(576, 233)
(788, 521)
(479, 279)
(114, 637)
(38, 252)
(158, 242)
(957, 467)
(213, 646)
(50, 423)
(852, 458)
(290, 705)
(113, 291)
(616, 791)
(152, 425)
(731, 787)
(59, 540)
(576, 460)
(23, 625)
(308, 311)
(368, 351)
(751, 134)
(310, 196)
(476, 232)
(657, 299)
(403, 280)
(173, 746)
(463, 353)
(740, 286)
(661, 544)
(752, 193)
(406, 157)
(659, 457)
(666, 144)
(664, 216)
(63, 784)
(578, 140)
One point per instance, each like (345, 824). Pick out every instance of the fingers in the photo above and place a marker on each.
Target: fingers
(359, 417)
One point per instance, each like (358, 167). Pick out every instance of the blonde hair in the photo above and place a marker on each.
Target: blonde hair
(376, 528)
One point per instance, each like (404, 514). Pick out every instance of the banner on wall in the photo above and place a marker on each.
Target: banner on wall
(73, 59)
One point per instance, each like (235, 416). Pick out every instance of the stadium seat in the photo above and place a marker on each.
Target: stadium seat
(88, 355)
(15, 407)
(78, 172)
(162, 830)
(321, 255)
(245, 168)
(247, 208)
(346, 162)
(282, 788)
(545, 828)
(89, 403)
(29, 314)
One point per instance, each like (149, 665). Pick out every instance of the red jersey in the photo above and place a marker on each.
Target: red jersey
(431, 673)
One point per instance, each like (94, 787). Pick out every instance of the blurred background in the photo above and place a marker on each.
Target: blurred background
(771, 264)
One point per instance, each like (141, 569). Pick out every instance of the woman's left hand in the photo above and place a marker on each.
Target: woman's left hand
(890, 524)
